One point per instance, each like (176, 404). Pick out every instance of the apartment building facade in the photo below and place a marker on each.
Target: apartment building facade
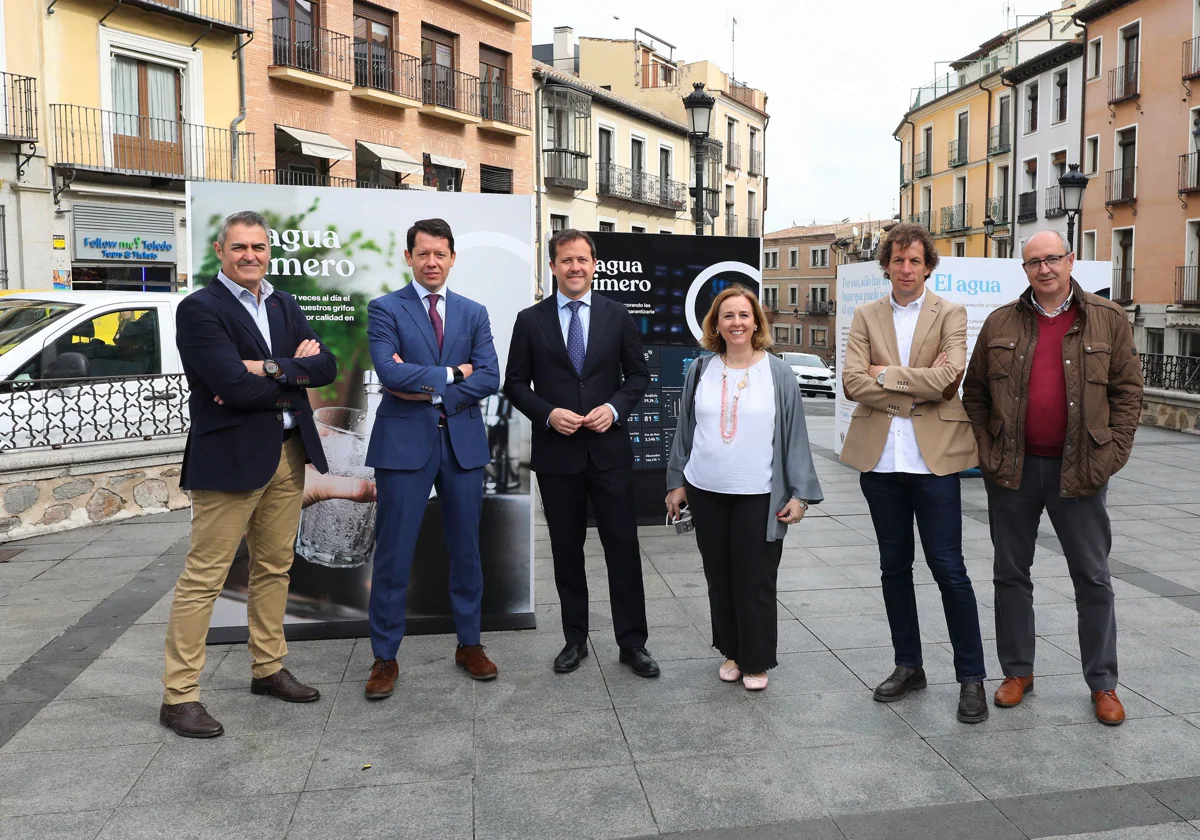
(394, 94)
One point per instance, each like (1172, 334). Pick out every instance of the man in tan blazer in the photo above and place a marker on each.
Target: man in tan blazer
(910, 437)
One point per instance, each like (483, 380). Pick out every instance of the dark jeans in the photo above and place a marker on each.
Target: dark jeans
(1083, 529)
(894, 499)
(742, 570)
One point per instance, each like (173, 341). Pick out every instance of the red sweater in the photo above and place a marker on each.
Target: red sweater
(1046, 411)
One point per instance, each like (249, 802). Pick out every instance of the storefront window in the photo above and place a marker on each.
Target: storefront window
(154, 278)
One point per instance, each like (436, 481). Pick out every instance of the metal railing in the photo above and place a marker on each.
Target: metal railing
(1191, 59)
(389, 71)
(733, 155)
(1120, 186)
(998, 209)
(106, 141)
(565, 168)
(236, 15)
(3, 248)
(1031, 118)
(519, 5)
(1054, 205)
(752, 227)
(820, 307)
(446, 87)
(303, 46)
(956, 217)
(621, 182)
(504, 104)
(921, 219)
(957, 154)
(731, 224)
(1027, 206)
(1123, 82)
(1189, 173)
(18, 108)
(921, 165)
(999, 139)
(1121, 290)
(1060, 109)
(756, 161)
(295, 178)
(1171, 373)
(1187, 285)
(52, 413)
(904, 180)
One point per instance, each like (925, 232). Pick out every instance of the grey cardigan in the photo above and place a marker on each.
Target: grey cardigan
(792, 472)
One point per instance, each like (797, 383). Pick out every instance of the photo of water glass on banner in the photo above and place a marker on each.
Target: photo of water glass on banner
(340, 533)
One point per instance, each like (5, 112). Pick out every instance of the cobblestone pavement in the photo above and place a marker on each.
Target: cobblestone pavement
(601, 753)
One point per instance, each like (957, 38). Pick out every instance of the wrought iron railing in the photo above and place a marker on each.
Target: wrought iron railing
(519, 5)
(565, 168)
(1189, 173)
(1121, 290)
(820, 307)
(1171, 373)
(998, 209)
(1191, 59)
(18, 108)
(446, 87)
(921, 165)
(41, 413)
(733, 155)
(621, 182)
(756, 161)
(922, 219)
(234, 15)
(504, 104)
(1031, 117)
(1121, 186)
(303, 46)
(1060, 107)
(1054, 205)
(1123, 82)
(106, 141)
(743, 93)
(1187, 285)
(389, 71)
(999, 139)
(1027, 206)
(957, 154)
(956, 217)
(752, 227)
(299, 178)
(731, 224)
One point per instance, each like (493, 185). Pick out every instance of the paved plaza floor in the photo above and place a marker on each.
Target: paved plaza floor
(601, 753)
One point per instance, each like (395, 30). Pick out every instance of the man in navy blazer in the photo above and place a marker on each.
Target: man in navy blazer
(249, 354)
(432, 350)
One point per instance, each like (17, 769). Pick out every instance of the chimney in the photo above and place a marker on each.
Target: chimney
(564, 49)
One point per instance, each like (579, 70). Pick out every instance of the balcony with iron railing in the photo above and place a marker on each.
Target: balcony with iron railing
(1027, 206)
(961, 76)
(1123, 82)
(998, 209)
(505, 110)
(956, 217)
(1059, 114)
(921, 165)
(19, 108)
(756, 161)
(820, 307)
(311, 56)
(1191, 59)
(565, 169)
(1031, 117)
(733, 155)
(999, 139)
(1054, 205)
(1120, 186)
(450, 94)
(226, 15)
(513, 11)
(1121, 290)
(1171, 373)
(957, 154)
(128, 144)
(386, 76)
(1187, 285)
(299, 178)
(623, 183)
(1189, 173)
(752, 227)
(731, 224)
(922, 219)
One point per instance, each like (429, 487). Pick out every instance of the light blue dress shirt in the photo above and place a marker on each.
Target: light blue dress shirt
(423, 294)
(585, 318)
(257, 310)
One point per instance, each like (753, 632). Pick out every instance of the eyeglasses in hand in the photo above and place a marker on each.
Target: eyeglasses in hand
(1051, 261)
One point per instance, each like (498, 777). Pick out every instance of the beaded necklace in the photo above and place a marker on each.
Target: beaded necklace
(729, 408)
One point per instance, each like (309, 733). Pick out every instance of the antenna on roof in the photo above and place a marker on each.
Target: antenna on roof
(733, 50)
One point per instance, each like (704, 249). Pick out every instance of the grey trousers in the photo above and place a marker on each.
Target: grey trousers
(1083, 529)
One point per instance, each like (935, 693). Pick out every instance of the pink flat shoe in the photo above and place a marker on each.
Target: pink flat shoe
(754, 682)
(729, 673)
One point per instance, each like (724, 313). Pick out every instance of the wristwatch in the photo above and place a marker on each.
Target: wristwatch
(882, 375)
(458, 375)
(272, 368)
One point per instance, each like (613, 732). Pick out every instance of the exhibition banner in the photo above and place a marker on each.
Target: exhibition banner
(981, 285)
(336, 250)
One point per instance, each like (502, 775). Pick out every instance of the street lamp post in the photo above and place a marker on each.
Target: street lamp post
(699, 107)
(989, 232)
(1072, 183)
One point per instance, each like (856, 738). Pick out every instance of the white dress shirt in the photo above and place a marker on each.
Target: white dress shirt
(743, 465)
(258, 313)
(901, 453)
(424, 294)
(585, 318)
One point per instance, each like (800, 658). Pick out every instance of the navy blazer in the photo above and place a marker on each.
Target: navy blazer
(236, 447)
(406, 431)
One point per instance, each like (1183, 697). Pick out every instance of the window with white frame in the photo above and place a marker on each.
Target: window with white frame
(770, 259)
(1088, 251)
(783, 335)
(818, 257)
(800, 336)
(793, 295)
(1094, 56)
(793, 258)
(960, 248)
(818, 337)
(1091, 159)
(770, 297)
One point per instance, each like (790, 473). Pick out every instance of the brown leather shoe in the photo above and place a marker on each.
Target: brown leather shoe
(1013, 690)
(382, 679)
(283, 685)
(191, 720)
(475, 662)
(1109, 710)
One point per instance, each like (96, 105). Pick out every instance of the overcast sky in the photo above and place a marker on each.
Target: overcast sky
(839, 76)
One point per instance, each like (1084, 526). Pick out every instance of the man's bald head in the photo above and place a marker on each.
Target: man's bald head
(1047, 239)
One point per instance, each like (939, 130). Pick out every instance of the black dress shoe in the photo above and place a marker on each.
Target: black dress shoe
(902, 681)
(571, 656)
(640, 661)
(283, 685)
(972, 703)
(191, 720)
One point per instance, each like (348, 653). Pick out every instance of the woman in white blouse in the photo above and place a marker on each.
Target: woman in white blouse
(741, 460)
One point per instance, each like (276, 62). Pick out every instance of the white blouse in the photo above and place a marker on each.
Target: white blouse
(743, 465)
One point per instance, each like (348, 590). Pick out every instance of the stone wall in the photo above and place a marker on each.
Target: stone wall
(1171, 410)
(58, 489)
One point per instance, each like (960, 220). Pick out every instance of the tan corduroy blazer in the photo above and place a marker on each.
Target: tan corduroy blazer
(911, 387)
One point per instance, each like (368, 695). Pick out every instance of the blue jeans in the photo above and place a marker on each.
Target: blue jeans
(894, 499)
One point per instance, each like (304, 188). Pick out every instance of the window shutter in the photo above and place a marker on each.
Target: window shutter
(493, 179)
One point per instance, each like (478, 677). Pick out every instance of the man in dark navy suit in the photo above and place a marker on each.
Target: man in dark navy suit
(575, 369)
(248, 354)
(432, 350)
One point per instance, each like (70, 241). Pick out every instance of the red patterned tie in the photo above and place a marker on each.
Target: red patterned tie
(436, 319)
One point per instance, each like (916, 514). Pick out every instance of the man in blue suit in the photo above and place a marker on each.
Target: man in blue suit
(432, 350)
